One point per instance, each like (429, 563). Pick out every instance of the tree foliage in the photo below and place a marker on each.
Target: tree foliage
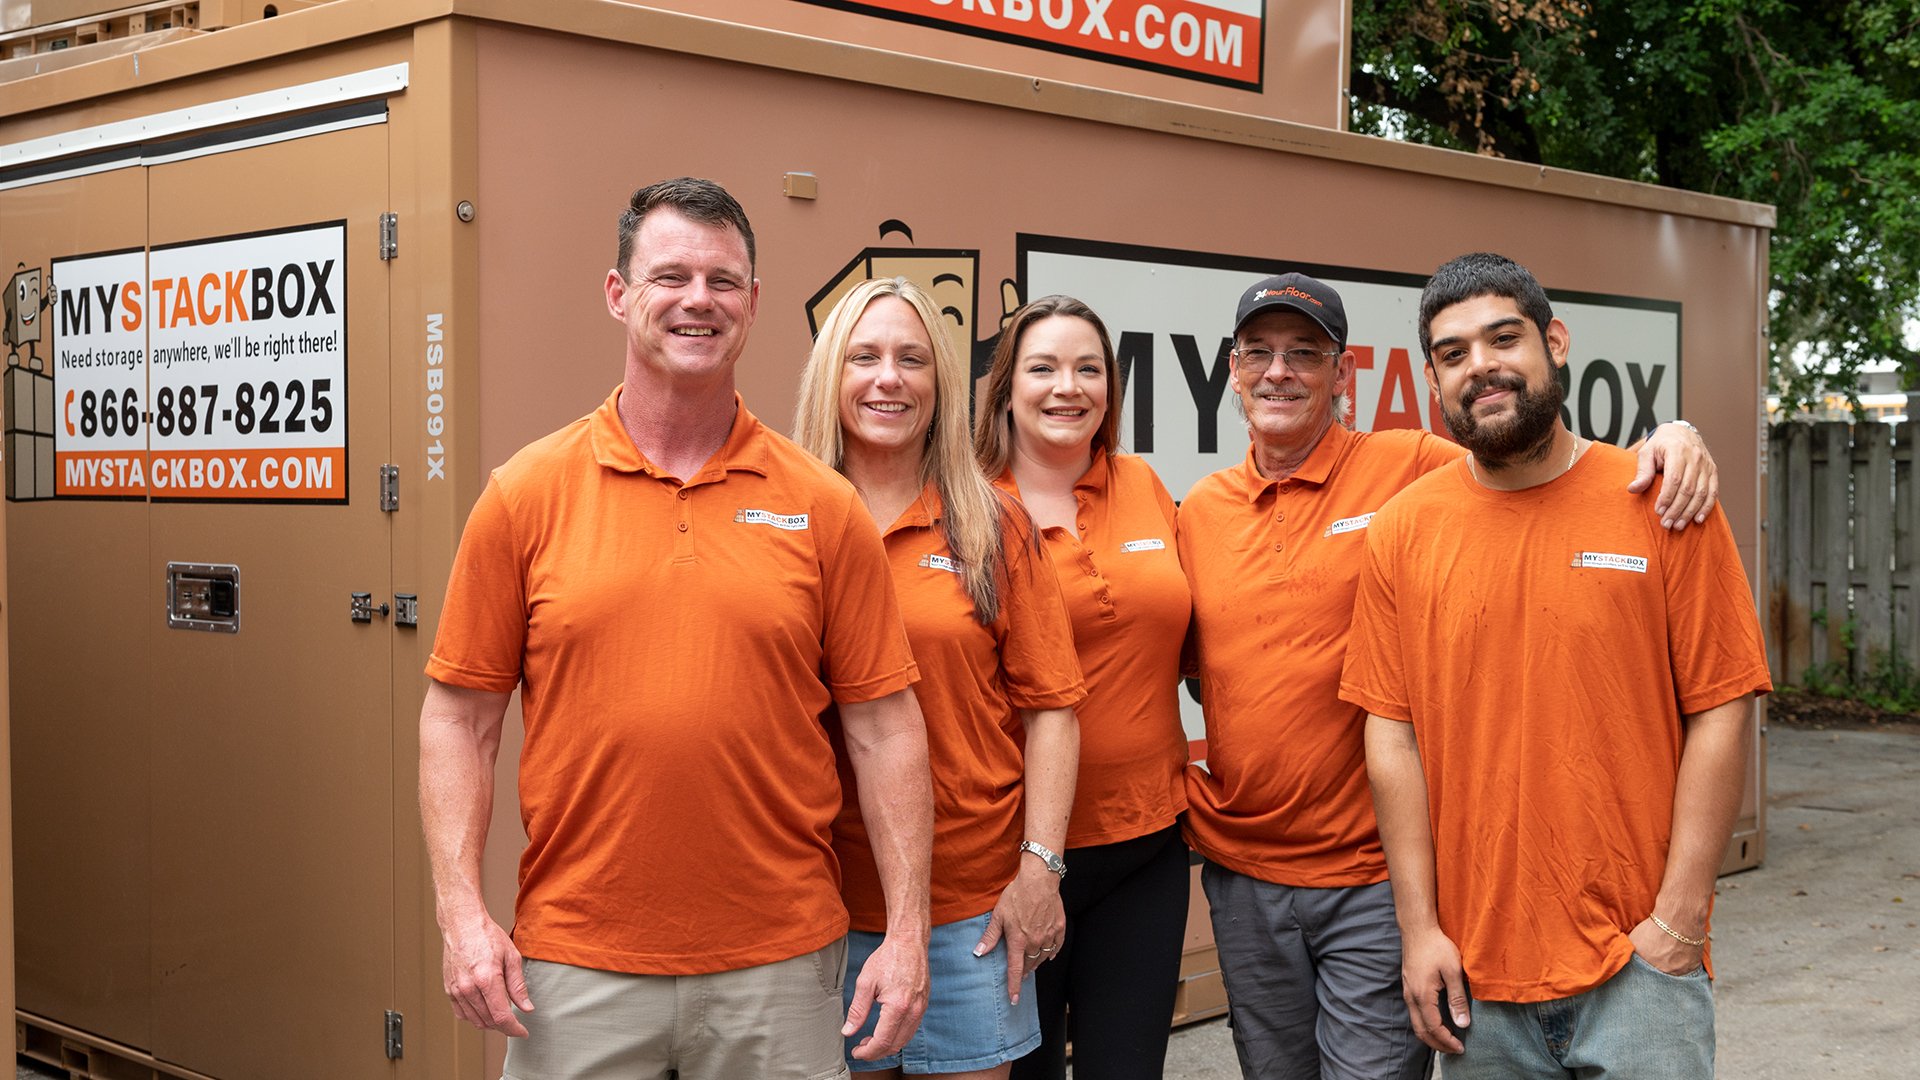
(1813, 107)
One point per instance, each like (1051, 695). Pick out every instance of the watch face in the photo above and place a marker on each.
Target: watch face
(1052, 862)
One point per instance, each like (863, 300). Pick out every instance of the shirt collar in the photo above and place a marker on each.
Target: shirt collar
(923, 513)
(1098, 473)
(1315, 470)
(613, 448)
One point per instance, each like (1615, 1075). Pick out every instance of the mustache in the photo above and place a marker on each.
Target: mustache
(1488, 383)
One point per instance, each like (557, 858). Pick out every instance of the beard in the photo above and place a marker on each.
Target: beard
(1522, 437)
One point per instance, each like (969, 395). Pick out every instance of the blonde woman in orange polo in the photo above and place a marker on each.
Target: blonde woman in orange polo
(884, 400)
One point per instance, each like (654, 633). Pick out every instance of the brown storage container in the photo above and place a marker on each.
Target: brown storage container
(220, 864)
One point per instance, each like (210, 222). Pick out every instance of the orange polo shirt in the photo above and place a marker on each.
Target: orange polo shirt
(1545, 645)
(974, 680)
(1274, 565)
(675, 645)
(1128, 598)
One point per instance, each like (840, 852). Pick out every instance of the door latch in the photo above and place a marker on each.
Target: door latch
(203, 596)
(363, 609)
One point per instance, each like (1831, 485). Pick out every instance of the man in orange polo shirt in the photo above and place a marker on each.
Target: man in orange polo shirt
(1561, 695)
(679, 593)
(1302, 912)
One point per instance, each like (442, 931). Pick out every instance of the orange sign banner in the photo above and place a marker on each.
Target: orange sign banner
(254, 475)
(1214, 40)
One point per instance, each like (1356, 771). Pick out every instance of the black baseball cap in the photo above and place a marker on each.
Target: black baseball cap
(1296, 292)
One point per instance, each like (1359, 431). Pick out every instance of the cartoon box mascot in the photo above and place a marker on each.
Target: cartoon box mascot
(29, 388)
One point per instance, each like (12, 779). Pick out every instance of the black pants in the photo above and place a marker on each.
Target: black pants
(1110, 990)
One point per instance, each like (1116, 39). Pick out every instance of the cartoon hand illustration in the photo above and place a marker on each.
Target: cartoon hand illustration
(1009, 301)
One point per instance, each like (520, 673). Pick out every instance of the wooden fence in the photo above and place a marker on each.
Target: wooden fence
(1843, 532)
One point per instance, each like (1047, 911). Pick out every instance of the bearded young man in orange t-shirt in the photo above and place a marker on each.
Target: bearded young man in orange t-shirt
(1560, 695)
(679, 593)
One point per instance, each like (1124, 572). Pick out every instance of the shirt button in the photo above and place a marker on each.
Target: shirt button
(683, 528)
(1276, 547)
(683, 493)
(1276, 517)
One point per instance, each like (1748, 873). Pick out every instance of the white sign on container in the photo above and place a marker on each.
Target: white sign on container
(205, 370)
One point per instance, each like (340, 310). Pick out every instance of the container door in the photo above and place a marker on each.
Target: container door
(272, 738)
(82, 609)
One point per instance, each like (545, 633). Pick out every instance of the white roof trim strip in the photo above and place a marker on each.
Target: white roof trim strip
(203, 151)
(358, 86)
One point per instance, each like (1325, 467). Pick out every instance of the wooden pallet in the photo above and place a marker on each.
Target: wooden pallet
(88, 1057)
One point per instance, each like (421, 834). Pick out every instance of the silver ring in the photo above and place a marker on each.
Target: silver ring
(1033, 955)
(1044, 949)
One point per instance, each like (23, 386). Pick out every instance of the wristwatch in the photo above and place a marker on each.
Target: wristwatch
(1054, 862)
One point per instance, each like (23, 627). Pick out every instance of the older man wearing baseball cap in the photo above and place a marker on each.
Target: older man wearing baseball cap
(1302, 912)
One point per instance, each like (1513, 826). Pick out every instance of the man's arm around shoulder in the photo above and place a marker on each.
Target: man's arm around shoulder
(459, 740)
(887, 747)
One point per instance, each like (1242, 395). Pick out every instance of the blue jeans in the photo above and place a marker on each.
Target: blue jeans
(1642, 1024)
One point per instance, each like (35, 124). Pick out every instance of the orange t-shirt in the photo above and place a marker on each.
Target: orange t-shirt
(1130, 607)
(974, 679)
(1545, 645)
(676, 646)
(1284, 795)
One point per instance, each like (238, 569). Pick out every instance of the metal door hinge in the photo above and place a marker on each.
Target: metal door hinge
(395, 1046)
(389, 488)
(389, 236)
(406, 609)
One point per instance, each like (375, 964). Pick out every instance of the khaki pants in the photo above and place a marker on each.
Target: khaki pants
(776, 1020)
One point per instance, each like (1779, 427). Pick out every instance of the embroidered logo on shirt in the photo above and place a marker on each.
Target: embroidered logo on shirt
(789, 522)
(940, 562)
(1601, 560)
(1347, 525)
(1144, 545)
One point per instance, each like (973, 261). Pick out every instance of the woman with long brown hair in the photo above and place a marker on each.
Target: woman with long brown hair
(1047, 428)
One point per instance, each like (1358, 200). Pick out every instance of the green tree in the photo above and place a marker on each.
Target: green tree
(1813, 107)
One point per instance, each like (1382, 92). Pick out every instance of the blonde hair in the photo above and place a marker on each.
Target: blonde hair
(972, 507)
(993, 422)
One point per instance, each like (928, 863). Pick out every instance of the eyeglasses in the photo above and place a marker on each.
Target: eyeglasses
(1256, 362)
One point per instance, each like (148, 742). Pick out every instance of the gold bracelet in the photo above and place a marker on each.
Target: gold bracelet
(1675, 934)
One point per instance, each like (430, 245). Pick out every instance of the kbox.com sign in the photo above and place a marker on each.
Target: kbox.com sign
(1212, 40)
